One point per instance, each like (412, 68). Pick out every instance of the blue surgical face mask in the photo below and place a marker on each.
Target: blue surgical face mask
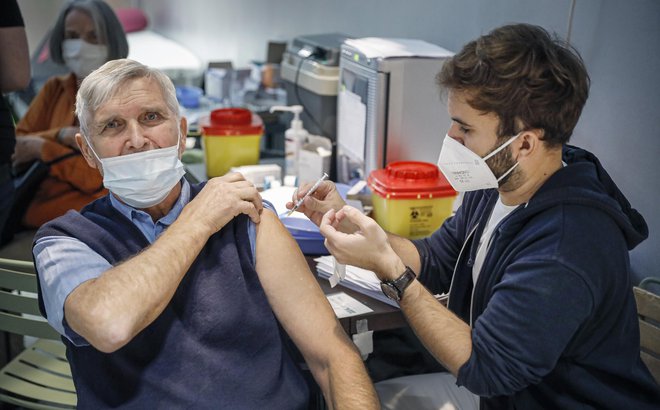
(467, 171)
(143, 179)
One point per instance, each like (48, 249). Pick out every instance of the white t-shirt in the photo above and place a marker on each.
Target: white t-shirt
(500, 211)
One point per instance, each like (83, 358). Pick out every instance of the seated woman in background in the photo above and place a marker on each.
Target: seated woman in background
(86, 35)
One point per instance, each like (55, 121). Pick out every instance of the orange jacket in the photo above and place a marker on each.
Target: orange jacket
(71, 183)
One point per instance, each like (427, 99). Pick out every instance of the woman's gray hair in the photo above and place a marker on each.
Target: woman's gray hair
(108, 29)
(102, 84)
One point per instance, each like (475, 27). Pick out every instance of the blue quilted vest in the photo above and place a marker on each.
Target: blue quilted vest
(216, 345)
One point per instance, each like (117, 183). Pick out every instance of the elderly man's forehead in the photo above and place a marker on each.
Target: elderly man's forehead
(133, 84)
(130, 102)
(139, 88)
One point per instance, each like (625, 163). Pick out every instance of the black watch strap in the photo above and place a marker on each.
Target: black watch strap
(394, 289)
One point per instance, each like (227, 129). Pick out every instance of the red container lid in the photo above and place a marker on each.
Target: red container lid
(232, 121)
(410, 180)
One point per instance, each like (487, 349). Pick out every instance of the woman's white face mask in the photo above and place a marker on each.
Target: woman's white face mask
(467, 171)
(143, 179)
(82, 57)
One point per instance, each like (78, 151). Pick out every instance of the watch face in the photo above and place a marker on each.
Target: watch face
(390, 291)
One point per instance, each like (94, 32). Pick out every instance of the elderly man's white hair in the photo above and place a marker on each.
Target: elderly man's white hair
(103, 83)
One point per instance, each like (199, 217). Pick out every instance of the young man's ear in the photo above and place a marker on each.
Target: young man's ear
(85, 150)
(529, 141)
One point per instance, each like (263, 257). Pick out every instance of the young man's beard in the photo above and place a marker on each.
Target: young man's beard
(500, 164)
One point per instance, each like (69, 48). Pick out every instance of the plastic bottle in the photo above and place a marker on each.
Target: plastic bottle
(293, 138)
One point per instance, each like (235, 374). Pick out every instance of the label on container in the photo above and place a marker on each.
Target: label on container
(420, 220)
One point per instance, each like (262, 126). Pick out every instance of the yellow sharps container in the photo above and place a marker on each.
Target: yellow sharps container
(230, 138)
(410, 198)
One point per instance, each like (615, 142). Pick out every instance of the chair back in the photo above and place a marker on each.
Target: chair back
(648, 310)
(19, 307)
(15, 264)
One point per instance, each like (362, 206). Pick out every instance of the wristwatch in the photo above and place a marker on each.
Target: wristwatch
(393, 289)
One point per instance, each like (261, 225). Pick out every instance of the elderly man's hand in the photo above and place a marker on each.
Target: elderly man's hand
(222, 199)
(28, 149)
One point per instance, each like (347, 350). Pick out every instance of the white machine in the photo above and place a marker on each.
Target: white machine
(389, 107)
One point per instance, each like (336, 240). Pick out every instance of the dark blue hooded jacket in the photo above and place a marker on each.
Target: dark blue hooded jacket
(553, 317)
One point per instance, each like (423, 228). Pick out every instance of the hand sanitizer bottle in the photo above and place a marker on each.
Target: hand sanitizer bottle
(294, 137)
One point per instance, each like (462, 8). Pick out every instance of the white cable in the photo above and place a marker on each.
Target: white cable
(570, 21)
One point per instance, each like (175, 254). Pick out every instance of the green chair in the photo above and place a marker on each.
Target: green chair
(40, 376)
(648, 310)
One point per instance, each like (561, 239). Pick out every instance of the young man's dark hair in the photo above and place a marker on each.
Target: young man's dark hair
(525, 76)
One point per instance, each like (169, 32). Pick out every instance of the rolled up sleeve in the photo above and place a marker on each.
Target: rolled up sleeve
(63, 264)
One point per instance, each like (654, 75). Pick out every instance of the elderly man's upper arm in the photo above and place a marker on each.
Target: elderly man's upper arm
(293, 292)
(306, 315)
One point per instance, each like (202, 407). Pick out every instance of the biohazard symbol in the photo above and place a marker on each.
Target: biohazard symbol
(414, 214)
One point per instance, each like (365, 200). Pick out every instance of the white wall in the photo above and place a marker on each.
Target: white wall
(621, 121)
(239, 31)
(39, 16)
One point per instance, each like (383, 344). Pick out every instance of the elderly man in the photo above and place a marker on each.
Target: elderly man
(540, 312)
(172, 295)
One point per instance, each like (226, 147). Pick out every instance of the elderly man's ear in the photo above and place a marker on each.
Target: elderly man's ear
(86, 151)
(183, 128)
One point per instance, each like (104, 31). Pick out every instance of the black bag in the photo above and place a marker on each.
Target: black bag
(26, 183)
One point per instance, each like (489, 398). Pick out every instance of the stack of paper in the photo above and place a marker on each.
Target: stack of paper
(357, 279)
(346, 306)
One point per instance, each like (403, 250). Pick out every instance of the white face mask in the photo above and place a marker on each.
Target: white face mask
(467, 171)
(82, 57)
(143, 179)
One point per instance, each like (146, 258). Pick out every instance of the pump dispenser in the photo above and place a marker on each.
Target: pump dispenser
(293, 138)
